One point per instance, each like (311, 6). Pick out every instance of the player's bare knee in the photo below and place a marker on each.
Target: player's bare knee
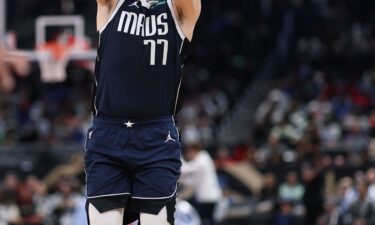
(163, 218)
(113, 217)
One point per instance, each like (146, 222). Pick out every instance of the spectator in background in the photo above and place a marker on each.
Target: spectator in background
(314, 193)
(331, 215)
(269, 194)
(11, 182)
(79, 216)
(39, 192)
(269, 191)
(27, 205)
(9, 211)
(73, 168)
(284, 215)
(372, 124)
(199, 173)
(347, 193)
(273, 146)
(273, 108)
(370, 176)
(285, 132)
(291, 190)
(223, 157)
(62, 204)
(362, 211)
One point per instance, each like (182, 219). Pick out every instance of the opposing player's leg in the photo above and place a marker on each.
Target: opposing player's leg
(111, 217)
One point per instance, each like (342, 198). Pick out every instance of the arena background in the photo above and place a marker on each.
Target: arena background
(279, 92)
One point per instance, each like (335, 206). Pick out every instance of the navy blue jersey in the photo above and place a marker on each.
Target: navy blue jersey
(140, 56)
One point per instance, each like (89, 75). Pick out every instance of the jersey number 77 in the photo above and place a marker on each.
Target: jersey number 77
(154, 44)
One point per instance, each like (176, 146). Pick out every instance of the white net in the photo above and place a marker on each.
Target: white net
(52, 69)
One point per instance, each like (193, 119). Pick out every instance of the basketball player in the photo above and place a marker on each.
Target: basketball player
(133, 149)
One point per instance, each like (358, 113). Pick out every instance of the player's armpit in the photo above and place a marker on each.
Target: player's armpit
(105, 8)
(187, 13)
(187, 10)
(106, 2)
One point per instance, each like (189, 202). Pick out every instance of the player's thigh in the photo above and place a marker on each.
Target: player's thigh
(108, 179)
(158, 181)
(111, 217)
(159, 166)
(154, 194)
(162, 218)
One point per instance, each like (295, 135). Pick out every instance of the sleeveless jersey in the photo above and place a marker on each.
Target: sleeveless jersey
(140, 57)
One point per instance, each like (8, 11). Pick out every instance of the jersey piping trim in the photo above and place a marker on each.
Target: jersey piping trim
(157, 198)
(96, 86)
(109, 195)
(117, 8)
(179, 85)
(170, 4)
(178, 93)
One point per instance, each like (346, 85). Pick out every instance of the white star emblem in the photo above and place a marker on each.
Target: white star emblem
(129, 124)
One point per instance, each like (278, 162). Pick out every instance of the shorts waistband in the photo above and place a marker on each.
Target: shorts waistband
(134, 123)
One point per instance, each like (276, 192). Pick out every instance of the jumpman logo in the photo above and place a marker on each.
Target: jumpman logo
(169, 137)
(135, 4)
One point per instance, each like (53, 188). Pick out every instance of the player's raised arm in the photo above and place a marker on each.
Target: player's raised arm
(105, 7)
(188, 12)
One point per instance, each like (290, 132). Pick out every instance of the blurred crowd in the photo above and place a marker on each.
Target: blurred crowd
(57, 199)
(310, 158)
(319, 120)
(301, 195)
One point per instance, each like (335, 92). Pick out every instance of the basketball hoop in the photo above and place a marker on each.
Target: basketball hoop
(54, 56)
(52, 65)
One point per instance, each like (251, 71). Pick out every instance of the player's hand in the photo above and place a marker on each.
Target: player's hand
(9, 63)
(148, 3)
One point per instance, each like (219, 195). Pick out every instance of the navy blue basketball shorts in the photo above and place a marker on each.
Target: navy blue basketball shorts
(133, 164)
